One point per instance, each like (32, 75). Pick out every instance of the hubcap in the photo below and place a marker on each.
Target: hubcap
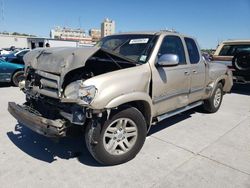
(120, 136)
(217, 98)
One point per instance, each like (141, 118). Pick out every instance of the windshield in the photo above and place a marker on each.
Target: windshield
(135, 47)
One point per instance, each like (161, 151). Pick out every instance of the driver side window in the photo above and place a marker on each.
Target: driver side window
(173, 45)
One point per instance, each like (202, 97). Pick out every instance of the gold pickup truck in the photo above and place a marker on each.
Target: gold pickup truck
(236, 55)
(116, 90)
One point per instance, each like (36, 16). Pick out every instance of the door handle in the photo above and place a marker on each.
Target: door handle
(186, 73)
(195, 71)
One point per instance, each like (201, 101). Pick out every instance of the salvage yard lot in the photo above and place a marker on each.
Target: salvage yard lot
(189, 150)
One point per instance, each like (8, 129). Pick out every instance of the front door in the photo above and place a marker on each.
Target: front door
(171, 85)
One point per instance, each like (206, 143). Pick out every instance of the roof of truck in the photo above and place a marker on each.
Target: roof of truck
(152, 33)
(246, 41)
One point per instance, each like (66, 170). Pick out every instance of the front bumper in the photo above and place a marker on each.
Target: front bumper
(43, 126)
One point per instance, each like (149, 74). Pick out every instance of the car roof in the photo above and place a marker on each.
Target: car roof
(247, 41)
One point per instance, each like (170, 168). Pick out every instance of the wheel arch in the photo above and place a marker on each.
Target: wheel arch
(139, 100)
(226, 85)
(13, 74)
(15, 71)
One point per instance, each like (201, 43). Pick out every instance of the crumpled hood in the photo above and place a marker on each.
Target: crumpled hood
(58, 60)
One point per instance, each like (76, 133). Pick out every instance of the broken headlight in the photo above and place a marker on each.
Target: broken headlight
(78, 91)
(87, 93)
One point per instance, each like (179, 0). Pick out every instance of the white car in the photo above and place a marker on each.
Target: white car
(4, 52)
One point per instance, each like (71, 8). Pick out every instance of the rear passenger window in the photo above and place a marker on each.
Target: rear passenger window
(232, 50)
(193, 51)
(173, 45)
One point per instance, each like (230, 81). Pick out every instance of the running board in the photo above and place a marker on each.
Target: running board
(175, 112)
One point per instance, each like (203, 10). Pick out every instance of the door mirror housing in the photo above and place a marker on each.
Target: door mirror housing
(168, 60)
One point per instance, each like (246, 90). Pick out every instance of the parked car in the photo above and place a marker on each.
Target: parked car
(11, 72)
(16, 56)
(207, 56)
(116, 90)
(236, 55)
(4, 52)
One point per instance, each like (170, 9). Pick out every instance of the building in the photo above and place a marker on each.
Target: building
(36, 42)
(67, 34)
(6, 41)
(95, 34)
(107, 27)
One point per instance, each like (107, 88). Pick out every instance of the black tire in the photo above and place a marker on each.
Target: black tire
(210, 105)
(241, 62)
(17, 77)
(95, 139)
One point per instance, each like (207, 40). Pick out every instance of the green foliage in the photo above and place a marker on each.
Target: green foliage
(17, 34)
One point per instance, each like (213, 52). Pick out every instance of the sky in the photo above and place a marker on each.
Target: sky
(210, 21)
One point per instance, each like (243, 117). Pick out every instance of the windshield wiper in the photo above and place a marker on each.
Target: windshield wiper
(117, 64)
(120, 56)
(119, 46)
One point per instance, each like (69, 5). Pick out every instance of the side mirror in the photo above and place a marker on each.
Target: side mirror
(168, 60)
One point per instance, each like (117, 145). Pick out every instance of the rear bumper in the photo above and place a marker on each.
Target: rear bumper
(43, 126)
(241, 76)
(241, 80)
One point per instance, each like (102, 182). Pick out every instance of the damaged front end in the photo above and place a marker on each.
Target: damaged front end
(32, 119)
(57, 98)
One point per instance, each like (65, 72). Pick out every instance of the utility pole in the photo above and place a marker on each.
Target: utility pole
(2, 11)
(80, 22)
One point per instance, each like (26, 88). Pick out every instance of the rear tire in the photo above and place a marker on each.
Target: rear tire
(241, 62)
(119, 139)
(17, 77)
(212, 104)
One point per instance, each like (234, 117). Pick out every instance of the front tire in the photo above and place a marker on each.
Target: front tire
(17, 77)
(119, 139)
(212, 104)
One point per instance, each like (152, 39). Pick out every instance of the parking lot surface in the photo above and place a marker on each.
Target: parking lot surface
(192, 149)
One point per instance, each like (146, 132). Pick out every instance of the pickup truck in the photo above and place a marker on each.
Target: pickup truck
(116, 90)
(236, 55)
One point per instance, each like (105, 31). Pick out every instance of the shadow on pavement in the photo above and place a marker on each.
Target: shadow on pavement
(243, 89)
(172, 120)
(49, 150)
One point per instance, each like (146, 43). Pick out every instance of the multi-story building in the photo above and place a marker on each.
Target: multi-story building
(67, 34)
(107, 27)
(95, 34)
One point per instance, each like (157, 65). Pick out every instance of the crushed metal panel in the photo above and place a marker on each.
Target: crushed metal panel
(58, 60)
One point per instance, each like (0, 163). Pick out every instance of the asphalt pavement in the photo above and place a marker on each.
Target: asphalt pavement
(191, 150)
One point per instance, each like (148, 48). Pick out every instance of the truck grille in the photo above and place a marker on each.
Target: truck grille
(47, 84)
